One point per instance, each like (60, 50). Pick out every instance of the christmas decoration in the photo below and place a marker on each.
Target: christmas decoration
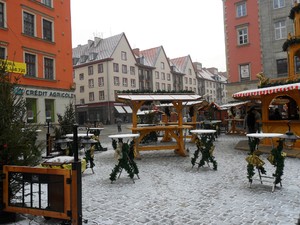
(124, 153)
(206, 147)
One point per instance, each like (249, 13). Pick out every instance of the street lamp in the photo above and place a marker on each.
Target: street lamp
(289, 137)
(63, 144)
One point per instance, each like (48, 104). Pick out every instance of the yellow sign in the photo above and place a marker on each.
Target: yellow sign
(14, 67)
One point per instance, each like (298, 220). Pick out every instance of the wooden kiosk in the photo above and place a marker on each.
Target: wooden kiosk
(283, 93)
(176, 131)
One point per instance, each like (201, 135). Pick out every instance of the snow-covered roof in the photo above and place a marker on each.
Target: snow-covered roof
(159, 97)
(267, 90)
(234, 104)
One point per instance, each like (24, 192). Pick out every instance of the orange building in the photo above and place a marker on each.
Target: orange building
(38, 33)
(243, 50)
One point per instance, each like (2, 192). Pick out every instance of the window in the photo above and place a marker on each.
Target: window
(194, 81)
(82, 101)
(49, 68)
(101, 95)
(168, 76)
(242, 35)
(169, 87)
(75, 61)
(116, 81)
(30, 61)
(81, 89)
(280, 30)
(132, 70)
(116, 67)
(91, 96)
(2, 14)
(190, 80)
(47, 2)
(81, 76)
(244, 72)
(49, 110)
(28, 24)
(190, 71)
(125, 82)
(90, 70)
(31, 110)
(241, 9)
(124, 69)
(157, 85)
(185, 80)
(163, 86)
(100, 68)
(156, 75)
(132, 82)
(282, 68)
(92, 56)
(123, 56)
(100, 81)
(47, 30)
(91, 83)
(278, 4)
(297, 65)
(2, 53)
(163, 76)
(162, 65)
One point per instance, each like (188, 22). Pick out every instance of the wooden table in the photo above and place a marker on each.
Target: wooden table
(124, 153)
(276, 157)
(234, 129)
(175, 131)
(204, 142)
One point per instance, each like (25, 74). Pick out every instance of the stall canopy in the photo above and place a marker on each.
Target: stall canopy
(267, 90)
(128, 109)
(234, 104)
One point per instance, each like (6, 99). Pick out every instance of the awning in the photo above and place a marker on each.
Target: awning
(159, 97)
(128, 109)
(267, 90)
(120, 109)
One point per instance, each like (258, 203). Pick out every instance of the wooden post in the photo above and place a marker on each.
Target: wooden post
(76, 188)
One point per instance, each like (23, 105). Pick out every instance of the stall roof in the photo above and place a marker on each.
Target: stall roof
(120, 109)
(154, 97)
(234, 104)
(185, 103)
(267, 90)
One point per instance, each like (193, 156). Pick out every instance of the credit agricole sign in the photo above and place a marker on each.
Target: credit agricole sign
(43, 93)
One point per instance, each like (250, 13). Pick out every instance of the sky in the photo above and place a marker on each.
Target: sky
(193, 27)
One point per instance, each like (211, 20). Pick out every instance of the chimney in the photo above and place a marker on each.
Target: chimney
(136, 51)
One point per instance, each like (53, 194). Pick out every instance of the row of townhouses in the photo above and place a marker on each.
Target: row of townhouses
(102, 67)
(36, 34)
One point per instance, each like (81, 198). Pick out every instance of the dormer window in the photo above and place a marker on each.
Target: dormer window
(92, 56)
(83, 58)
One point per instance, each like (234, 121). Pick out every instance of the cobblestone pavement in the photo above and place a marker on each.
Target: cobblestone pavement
(171, 192)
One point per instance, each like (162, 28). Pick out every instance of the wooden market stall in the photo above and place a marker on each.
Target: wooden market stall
(176, 131)
(285, 97)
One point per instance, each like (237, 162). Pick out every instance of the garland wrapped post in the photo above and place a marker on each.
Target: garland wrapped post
(206, 147)
(276, 158)
(124, 153)
(89, 158)
(253, 159)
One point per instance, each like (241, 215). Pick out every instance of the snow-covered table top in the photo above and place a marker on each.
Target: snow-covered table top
(80, 135)
(264, 135)
(124, 136)
(203, 131)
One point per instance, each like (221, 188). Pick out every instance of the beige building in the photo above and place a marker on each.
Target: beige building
(101, 68)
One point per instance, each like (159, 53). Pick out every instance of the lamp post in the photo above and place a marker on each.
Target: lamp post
(289, 137)
(89, 151)
(63, 144)
(48, 140)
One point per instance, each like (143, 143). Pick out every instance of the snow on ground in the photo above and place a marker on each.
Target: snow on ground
(170, 191)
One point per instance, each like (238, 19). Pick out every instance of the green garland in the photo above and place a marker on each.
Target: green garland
(125, 161)
(294, 10)
(206, 147)
(253, 142)
(278, 161)
(290, 42)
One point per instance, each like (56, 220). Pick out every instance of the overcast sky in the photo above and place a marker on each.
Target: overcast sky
(193, 27)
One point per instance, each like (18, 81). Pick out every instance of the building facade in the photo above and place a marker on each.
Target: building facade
(38, 33)
(102, 67)
(254, 34)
